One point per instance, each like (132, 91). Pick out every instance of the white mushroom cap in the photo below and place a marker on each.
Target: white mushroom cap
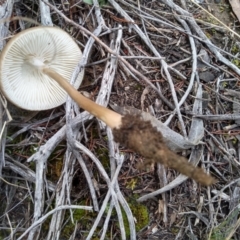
(26, 86)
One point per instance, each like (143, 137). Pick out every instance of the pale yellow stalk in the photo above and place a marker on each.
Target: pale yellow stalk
(111, 118)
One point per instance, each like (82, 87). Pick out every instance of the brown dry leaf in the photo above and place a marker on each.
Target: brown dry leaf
(199, 209)
(160, 207)
(143, 96)
(236, 8)
(173, 218)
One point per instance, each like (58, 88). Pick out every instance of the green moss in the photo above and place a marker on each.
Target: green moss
(140, 213)
(83, 217)
(98, 149)
(85, 220)
(236, 62)
(54, 168)
(103, 155)
(138, 87)
(235, 49)
(234, 140)
(224, 84)
(208, 35)
(223, 229)
(55, 162)
(174, 230)
(131, 184)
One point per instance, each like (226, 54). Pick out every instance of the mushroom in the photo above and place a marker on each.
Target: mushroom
(22, 61)
(29, 63)
(34, 58)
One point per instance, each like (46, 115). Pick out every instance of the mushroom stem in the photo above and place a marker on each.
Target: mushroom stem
(111, 118)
